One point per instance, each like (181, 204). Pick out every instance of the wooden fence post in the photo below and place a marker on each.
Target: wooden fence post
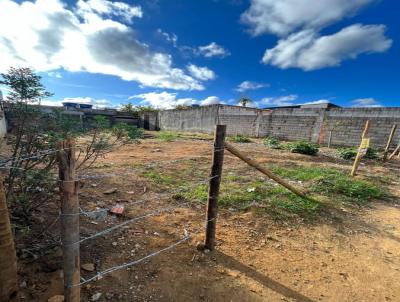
(330, 139)
(359, 155)
(8, 257)
(395, 151)
(216, 172)
(389, 142)
(69, 220)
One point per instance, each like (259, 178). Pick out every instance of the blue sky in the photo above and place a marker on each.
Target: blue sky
(179, 52)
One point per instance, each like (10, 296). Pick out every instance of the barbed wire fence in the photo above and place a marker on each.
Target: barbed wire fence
(71, 211)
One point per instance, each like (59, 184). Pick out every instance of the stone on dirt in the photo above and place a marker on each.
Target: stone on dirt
(89, 267)
(96, 296)
(110, 191)
(57, 298)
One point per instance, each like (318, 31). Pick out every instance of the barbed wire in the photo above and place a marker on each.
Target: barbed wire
(134, 262)
(110, 229)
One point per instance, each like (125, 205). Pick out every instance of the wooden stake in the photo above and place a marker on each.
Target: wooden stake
(330, 139)
(389, 142)
(263, 170)
(8, 258)
(359, 155)
(213, 192)
(69, 220)
(395, 151)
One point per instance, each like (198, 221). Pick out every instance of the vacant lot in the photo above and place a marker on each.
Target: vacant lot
(272, 245)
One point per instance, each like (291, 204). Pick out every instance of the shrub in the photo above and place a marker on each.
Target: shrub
(350, 153)
(238, 138)
(347, 153)
(371, 153)
(272, 142)
(302, 147)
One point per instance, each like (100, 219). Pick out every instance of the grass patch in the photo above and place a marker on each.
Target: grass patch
(167, 136)
(238, 138)
(333, 183)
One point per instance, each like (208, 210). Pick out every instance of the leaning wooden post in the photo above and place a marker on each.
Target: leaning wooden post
(389, 142)
(395, 152)
(263, 170)
(69, 220)
(8, 257)
(359, 153)
(213, 191)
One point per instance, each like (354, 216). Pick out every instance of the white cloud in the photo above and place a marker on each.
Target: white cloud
(167, 100)
(108, 8)
(366, 102)
(211, 100)
(46, 35)
(249, 85)
(213, 50)
(286, 16)
(286, 100)
(317, 102)
(97, 103)
(309, 51)
(201, 73)
(172, 38)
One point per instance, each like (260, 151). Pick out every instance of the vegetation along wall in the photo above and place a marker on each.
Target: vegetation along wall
(313, 124)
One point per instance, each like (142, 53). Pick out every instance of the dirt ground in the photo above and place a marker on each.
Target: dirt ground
(347, 255)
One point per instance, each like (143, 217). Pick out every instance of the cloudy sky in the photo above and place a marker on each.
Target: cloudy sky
(178, 52)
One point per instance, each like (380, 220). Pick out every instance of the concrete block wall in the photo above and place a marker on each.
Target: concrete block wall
(197, 119)
(347, 125)
(311, 124)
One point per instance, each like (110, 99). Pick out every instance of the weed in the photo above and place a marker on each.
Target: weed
(238, 138)
(272, 143)
(303, 147)
(347, 153)
(167, 136)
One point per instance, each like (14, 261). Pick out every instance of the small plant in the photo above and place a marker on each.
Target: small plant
(272, 142)
(347, 153)
(371, 153)
(350, 153)
(167, 136)
(302, 147)
(238, 138)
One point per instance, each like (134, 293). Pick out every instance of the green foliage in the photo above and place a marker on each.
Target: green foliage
(124, 130)
(302, 147)
(350, 153)
(272, 143)
(371, 153)
(244, 101)
(25, 86)
(238, 138)
(347, 153)
(167, 136)
(334, 183)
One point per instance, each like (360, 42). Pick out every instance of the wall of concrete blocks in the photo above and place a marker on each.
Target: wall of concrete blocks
(313, 124)
(200, 119)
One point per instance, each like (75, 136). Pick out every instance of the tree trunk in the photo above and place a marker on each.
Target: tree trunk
(8, 258)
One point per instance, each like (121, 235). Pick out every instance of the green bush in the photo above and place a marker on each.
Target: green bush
(371, 153)
(272, 142)
(350, 153)
(347, 153)
(126, 130)
(167, 136)
(303, 147)
(238, 138)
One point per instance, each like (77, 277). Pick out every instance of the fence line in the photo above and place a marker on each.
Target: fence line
(128, 264)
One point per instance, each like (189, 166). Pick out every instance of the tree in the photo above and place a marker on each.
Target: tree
(244, 101)
(129, 107)
(25, 86)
